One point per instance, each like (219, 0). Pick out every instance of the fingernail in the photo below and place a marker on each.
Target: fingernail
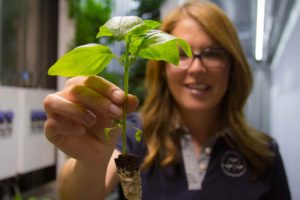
(117, 95)
(90, 118)
(115, 110)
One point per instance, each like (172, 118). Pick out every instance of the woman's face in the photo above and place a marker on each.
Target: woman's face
(197, 87)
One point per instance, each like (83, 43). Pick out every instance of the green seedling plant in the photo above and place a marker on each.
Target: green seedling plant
(141, 40)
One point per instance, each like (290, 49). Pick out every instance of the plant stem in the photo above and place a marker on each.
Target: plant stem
(126, 80)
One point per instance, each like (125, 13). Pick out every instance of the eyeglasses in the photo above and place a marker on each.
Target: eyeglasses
(215, 57)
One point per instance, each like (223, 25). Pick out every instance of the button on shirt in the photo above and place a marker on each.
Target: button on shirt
(220, 173)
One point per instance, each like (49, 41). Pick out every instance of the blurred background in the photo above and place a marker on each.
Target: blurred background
(34, 33)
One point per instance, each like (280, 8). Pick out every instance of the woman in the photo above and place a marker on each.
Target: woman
(196, 141)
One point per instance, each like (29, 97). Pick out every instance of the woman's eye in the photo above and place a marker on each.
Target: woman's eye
(182, 55)
(214, 55)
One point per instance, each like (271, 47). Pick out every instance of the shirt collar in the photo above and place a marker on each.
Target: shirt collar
(185, 135)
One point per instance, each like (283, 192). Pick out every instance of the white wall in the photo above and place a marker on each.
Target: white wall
(285, 99)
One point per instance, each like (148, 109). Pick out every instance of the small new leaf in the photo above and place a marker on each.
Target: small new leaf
(127, 28)
(119, 26)
(138, 134)
(118, 123)
(107, 130)
(106, 133)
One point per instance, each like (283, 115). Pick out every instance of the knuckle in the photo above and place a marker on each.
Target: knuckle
(49, 125)
(48, 101)
(68, 82)
(49, 128)
(75, 89)
(73, 80)
(100, 84)
(51, 132)
(91, 79)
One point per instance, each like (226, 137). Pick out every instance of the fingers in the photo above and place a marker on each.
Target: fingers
(78, 115)
(92, 100)
(133, 103)
(100, 85)
(57, 128)
(106, 88)
(99, 94)
(54, 104)
(88, 101)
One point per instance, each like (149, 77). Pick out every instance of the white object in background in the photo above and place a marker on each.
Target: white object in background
(35, 152)
(9, 120)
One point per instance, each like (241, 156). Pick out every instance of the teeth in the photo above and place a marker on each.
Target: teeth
(198, 87)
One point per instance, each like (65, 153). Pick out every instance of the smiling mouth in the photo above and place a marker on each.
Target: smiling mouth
(201, 87)
(198, 89)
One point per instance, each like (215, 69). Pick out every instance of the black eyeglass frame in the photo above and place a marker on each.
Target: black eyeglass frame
(207, 50)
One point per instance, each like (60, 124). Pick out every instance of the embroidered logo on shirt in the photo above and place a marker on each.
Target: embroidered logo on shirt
(233, 164)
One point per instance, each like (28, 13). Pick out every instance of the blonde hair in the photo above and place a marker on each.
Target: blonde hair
(158, 110)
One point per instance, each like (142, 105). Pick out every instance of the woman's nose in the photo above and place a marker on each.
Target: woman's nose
(197, 65)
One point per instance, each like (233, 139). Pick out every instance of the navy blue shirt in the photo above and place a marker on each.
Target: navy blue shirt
(221, 181)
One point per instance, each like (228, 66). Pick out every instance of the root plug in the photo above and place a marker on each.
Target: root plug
(129, 174)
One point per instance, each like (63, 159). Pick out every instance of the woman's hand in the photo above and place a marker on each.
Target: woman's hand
(78, 114)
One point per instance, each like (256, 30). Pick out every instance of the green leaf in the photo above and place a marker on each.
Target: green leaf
(104, 31)
(119, 26)
(159, 45)
(138, 134)
(84, 60)
(132, 29)
(167, 52)
(152, 24)
(141, 30)
(118, 123)
(106, 133)
(136, 36)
